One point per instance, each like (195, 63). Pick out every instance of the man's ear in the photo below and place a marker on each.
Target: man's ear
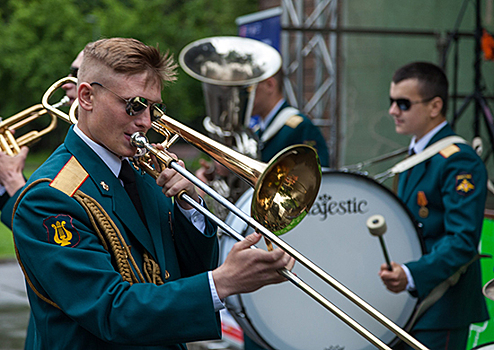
(85, 96)
(270, 83)
(436, 106)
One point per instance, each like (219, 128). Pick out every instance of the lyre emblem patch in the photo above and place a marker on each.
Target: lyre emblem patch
(62, 235)
(61, 231)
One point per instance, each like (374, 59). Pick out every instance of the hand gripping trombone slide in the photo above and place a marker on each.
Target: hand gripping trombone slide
(266, 180)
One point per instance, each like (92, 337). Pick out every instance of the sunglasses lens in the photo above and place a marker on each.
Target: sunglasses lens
(158, 110)
(403, 104)
(74, 71)
(136, 105)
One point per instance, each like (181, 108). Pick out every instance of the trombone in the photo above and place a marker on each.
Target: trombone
(285, 189)
(11, 145)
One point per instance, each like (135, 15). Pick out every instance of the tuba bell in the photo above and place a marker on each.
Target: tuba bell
(230, 69)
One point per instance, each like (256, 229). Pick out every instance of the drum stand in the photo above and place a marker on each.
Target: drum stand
(481, 105)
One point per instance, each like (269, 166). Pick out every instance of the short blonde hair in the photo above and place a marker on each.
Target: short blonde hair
(129, 56)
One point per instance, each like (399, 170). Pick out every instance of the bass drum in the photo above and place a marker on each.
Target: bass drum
(335, 237)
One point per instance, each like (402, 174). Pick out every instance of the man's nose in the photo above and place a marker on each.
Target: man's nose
(68, 86)
(394, 109)
(144, 119)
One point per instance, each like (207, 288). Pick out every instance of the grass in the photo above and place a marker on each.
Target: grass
(33, 161)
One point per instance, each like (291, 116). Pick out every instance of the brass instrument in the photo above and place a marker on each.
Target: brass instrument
(70, 118)
(12, 145)
(229, 69)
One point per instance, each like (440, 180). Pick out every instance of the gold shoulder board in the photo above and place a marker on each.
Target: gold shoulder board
(294, 121)
(448, 151)
(70, 178)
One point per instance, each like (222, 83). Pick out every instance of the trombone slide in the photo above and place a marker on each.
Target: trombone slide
(140, 141)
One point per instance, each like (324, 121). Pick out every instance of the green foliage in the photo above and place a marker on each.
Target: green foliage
(40, 38)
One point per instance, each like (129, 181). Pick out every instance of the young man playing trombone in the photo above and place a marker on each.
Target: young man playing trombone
(102, 274)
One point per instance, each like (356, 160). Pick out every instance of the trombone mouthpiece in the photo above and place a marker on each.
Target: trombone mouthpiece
(138, 140)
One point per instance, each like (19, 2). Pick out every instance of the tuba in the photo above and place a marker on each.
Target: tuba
(230, 69)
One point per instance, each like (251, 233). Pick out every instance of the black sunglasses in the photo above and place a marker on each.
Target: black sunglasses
(74, 71)
(404, 104)
(137, 105)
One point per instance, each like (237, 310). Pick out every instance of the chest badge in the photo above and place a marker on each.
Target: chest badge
(422, 202)
(104, 185)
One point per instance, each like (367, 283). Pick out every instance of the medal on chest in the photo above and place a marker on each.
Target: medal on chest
(422, 202)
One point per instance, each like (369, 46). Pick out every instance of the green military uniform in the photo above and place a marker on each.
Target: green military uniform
(66, 263)
(298, 129)
(446, 194)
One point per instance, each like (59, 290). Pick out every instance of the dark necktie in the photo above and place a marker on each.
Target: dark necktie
(127, 175)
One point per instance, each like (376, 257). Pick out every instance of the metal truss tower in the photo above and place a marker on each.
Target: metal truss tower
(310, 44)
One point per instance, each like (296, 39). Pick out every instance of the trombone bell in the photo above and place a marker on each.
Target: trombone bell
(284, 189)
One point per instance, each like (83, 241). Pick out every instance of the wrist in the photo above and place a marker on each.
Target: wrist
(13, 184)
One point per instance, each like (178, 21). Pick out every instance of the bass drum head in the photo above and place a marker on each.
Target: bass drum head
(335, 237)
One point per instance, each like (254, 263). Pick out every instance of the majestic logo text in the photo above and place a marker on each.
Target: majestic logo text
(325, 205)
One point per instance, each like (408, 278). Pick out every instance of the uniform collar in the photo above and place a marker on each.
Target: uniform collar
(263, 124)
(419, 146)
(112, 161)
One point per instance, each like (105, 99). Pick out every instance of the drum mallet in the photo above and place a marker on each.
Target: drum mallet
(377, 227)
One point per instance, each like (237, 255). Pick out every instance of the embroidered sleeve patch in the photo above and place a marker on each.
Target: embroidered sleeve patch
(464, 184)
(61, 231)
(294, 121)
(450, 150)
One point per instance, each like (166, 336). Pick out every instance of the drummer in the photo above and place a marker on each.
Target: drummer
(446, 193)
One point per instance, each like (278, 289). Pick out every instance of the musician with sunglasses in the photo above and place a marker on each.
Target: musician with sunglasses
(446, 194)
(110, 260)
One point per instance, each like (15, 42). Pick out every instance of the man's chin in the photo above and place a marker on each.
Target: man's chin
(130, 153)
(400, 130)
